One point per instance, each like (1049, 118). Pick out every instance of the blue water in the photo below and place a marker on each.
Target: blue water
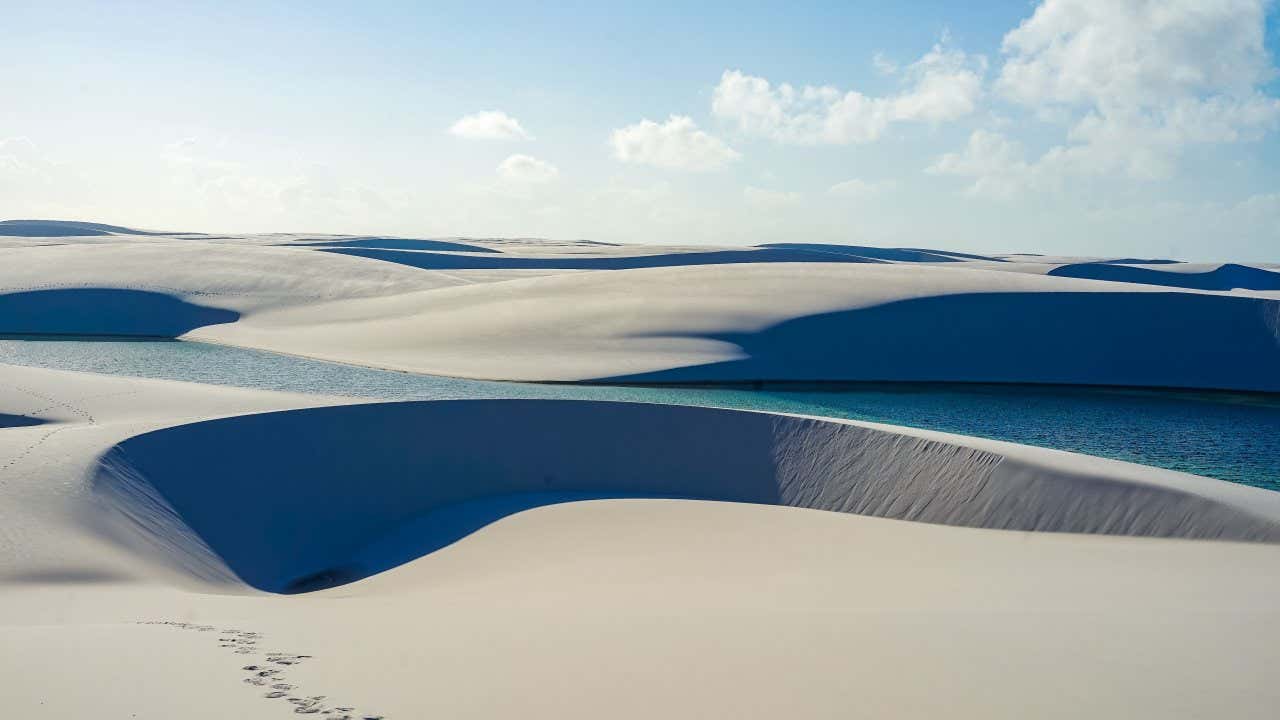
(1230, 436)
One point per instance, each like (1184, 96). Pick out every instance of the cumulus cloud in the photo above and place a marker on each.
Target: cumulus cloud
(1135, 53)
(996, 164)
(769, 198)
(677, 144)
(943, 85)
(527, 169)
(489, 125)
(1135, 82)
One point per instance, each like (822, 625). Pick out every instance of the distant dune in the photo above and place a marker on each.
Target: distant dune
(64, 228)
(441, 261)
(1224, 277)
(581, 311)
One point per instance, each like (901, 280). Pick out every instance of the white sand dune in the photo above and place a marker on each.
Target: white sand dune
(620, 607)
(561, 559)
(526, 310)
(182, 491)
(1228, 276)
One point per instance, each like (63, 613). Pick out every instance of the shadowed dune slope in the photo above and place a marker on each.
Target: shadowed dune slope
(395, 244)
(65, 228)
(1225, 277)
(441, 261)
(1139, 339)
(303, 499)
(1138, 261)
(8, 421)
(105, 311)
(880, 253)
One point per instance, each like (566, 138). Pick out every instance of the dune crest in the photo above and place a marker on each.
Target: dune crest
(308, 497)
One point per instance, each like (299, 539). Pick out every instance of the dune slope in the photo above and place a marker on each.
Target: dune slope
(306, 498)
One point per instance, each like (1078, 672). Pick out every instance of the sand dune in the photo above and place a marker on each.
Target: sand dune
(64, 228)
(532, 310)
(1223, 277)
(886, 254)
(794, 321)
(496, 558)
(442, 261)
(557, 611)
(184, 491)
(395, 244)
(107, 311)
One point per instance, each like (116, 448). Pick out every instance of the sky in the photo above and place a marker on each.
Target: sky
(1145, 128)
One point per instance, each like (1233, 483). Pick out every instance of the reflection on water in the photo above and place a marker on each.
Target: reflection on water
(1232, 436)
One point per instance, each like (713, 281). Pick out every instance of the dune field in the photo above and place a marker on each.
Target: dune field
(182, 550)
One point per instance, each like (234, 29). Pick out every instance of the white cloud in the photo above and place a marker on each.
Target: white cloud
(1134, 81)
(677, 144)
(884, 65)
(527, 169)
(1135, 53)
(769, 198)
(489, 125)
(18, 152)
(943, 85)
(996, 164)
(859, 188)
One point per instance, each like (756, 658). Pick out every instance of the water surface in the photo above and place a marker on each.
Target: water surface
(1232, 436)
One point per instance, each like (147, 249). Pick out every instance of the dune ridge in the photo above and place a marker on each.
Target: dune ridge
(1228, 276)
(578, 311)
(307, 492)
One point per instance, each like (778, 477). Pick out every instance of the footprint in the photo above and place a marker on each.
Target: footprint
(275, 694)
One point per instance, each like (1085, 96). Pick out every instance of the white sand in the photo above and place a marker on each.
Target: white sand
(974, 320)
(627, 607)
(622, 607)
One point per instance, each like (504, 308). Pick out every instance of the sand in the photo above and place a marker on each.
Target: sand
(560, 559)
(528, 310)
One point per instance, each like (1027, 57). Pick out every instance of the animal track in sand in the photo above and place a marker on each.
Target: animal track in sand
(270, 671)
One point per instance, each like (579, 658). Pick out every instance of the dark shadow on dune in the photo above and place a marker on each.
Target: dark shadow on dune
(299, 500)
(1137, 261)
(1133, 339)
(65, 228)
(879, 253)
(395, 244)
(441, 261)
(1226, 277)
(9, 421)
(105, 311)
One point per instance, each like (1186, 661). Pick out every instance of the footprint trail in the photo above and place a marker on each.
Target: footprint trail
(268, 673)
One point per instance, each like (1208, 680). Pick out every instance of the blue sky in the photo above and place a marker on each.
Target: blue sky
(1062, 127)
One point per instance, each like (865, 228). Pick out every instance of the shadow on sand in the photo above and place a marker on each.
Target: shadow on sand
(66, 228)
(301, 500)
(1226, 277)
(381, 243)
(1154, 339)
(889, 254)
(441, 261)
(9, 421)
(105, 311)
